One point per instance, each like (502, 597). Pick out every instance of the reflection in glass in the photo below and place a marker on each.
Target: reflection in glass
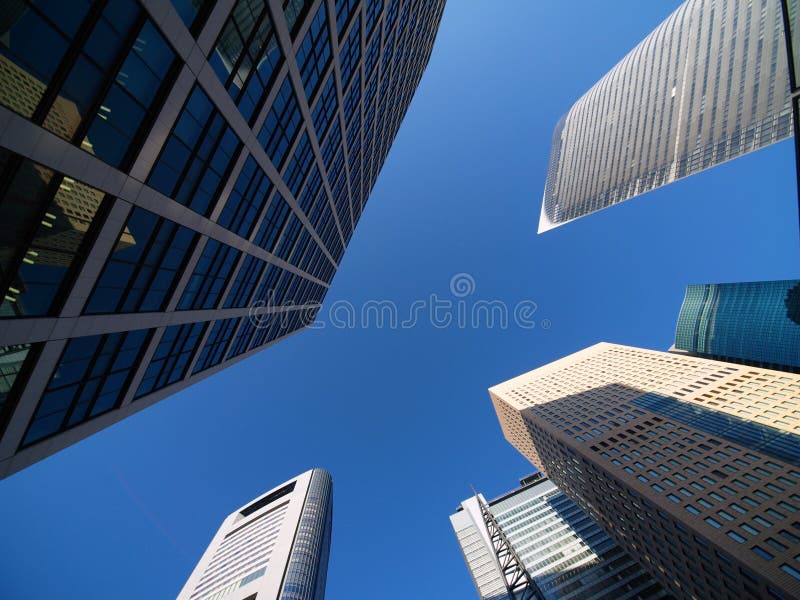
(104, 94)
(45, 218)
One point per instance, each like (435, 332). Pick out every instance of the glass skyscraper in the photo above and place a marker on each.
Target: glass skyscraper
(707, 85)
(275, 548)
(753, 323)
(178, 184)
(691, 465)
(565, 553)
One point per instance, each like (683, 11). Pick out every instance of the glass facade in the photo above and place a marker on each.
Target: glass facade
(755, 323)
(46, 225)
(306, 572)
(197, 220)
(99, 82)
(564, 551)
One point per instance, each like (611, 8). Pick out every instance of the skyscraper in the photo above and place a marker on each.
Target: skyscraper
(707, 85)
(691, 465)
(275, 547)
(754, 323)
(178, 183)
(564, 552)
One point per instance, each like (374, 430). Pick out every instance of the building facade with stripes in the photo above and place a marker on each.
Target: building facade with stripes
(178, 184)
(709, 84)
(566, 554)
(274, 548)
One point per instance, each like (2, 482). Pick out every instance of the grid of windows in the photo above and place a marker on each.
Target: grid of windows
(350, 55)
(91, 378)
(245, 282)
(214, 349)
(674, 464)
(273, 222)
(57, 237)
(100, 80)
(209, 277)
(141, 272)
(344, 10)
(246, 55)
(325, 109)
(197, 156)
(281, 125)
(246, 200)
(171, 358)
(373, 10)
(299, 165)
(314, 53)
(46, 220)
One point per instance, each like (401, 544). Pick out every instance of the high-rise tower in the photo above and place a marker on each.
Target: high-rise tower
(564, 552)
(178, 183)
(707, 85)
(274, 548)
(691, 465)
(753, 323)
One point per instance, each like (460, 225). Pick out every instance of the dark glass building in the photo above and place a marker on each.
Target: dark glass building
(753, 323)
(178, 184)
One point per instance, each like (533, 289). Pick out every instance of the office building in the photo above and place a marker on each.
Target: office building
(690, 464)
(274, 548)
(178, 184)
(754, 323)
(564, 552)
(709, 84)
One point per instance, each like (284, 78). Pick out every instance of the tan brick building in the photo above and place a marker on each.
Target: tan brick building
(692, 465)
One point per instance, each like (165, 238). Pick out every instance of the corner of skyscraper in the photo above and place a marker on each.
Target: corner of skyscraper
(178, 184)
(709, 84)
(691, 465)
(276, 547)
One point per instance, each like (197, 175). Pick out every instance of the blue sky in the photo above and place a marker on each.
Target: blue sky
(401, 417)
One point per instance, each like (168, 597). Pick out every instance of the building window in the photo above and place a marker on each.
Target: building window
(299, 165)
(106, 97)
(248, 197)
(273, 222)
(281, 125)
(288, 238)
(374, 8)
(90, 379)
(193, 13)
(245, 282)
(325, 110)
(171, 358)
(210, 276)
(344, 10)
(141, 272)
(214, 349)
(15, 364)
(314, 53)
(47, 223)
(197, 156)
(350, 54)
(246, 55)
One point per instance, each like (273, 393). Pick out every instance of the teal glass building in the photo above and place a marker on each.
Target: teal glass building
(751, 323)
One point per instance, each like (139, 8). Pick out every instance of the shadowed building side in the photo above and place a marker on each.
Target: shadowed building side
(691, 465)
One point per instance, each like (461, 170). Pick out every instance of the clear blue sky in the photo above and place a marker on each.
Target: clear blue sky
(401, 418)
